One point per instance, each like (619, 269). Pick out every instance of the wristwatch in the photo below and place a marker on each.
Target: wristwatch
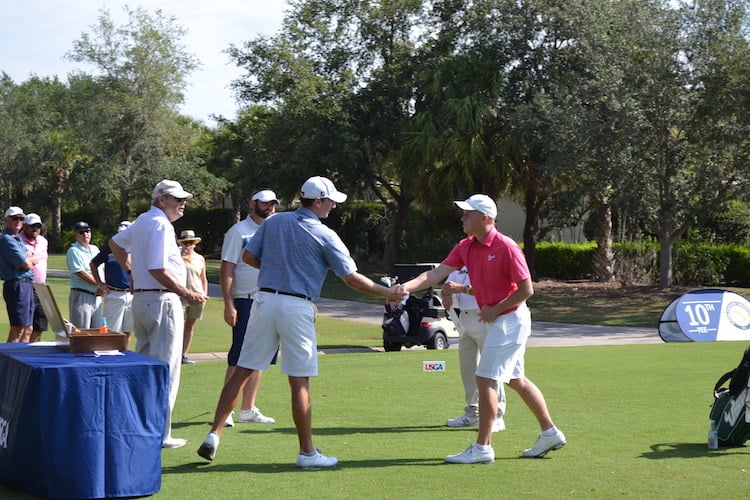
(468, 290)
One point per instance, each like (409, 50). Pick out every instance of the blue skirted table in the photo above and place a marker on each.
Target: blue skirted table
(79, 426)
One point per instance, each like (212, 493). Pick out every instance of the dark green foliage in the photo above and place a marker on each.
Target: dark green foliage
(695, 264)
(210, 225)
(565, 261)
(699, 264)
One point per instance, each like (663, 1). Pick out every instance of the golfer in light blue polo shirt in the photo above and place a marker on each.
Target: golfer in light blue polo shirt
(293, 251)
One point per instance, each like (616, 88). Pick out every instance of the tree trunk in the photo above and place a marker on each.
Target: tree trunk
(666, 278)
(531, 229)
(604, 264)
(54, 230)
(393, 240)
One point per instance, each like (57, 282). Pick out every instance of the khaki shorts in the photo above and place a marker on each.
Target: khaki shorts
(194, 312)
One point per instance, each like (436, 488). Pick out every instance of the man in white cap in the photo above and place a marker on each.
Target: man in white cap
(37, 245)
(291, 276)
(239, 282)
(501, 283)
(115, 288)
(15, 271)
(148, 251)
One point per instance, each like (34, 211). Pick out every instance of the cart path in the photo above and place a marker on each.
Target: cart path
(542, 334)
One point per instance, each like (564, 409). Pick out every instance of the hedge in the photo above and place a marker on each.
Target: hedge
(694, 264)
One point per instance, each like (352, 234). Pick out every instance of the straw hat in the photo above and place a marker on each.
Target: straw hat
(188, 235)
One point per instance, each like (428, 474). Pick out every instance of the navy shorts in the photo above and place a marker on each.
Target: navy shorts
(40, 318)
(238, 331)
(19, 301)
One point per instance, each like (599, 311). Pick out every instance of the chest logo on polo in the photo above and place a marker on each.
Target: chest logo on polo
(490, 258)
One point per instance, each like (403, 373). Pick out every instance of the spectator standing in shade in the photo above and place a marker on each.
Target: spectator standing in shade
(16, 272)
(196, 282)
(117, 306)
(239, 282)
(84, 301)
(36, 245)
(149, 249)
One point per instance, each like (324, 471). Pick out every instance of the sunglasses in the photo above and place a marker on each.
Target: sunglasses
(35, 226)
(83, 231)
(187, 243)
(18, 218)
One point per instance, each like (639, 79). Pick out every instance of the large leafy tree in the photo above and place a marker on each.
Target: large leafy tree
(342, 75)
(131, 110)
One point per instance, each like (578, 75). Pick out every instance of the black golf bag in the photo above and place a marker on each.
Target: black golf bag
(730, 408)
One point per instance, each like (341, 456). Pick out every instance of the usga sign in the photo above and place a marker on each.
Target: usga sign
(433, 366)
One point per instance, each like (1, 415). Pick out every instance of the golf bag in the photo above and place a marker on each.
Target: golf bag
(730, 408)
(400, 319)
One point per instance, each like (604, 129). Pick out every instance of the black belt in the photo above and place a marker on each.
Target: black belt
(113, 289)
(153, 290)
(84, 291)
(458, 311)
(291, 294)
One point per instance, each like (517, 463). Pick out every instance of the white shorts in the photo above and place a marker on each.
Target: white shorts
(505, 345)
(118, 309)
(283, 320)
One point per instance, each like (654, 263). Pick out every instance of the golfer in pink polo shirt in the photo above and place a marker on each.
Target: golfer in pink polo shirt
(501, 282)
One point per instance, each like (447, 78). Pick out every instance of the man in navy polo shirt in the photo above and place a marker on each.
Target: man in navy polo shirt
(115, 288)
(15, 271)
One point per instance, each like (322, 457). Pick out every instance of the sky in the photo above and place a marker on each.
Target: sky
(36, 34)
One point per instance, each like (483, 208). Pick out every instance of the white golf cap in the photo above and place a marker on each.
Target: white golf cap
(479, 202)
(171, 188)
(32, 219)
(13, 211)
(265, 196)
(321, 187)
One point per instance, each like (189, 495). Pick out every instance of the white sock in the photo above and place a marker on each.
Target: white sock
(550, 432)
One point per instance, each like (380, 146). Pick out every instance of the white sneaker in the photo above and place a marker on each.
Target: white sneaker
(473, 455)
(316, 461)
(462, 421)
(545, 444)
(170, 442)
(499, 424)
(209, 446)
(229, 422)
(254, 415)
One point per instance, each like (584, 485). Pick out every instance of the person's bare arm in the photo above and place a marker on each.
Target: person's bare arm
(250, 259)
(226, 280)
(121, 255)
(168, 282)
(428, 278)
(363, 284)
(525, 290)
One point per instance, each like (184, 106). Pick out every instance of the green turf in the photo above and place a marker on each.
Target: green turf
(635, 416)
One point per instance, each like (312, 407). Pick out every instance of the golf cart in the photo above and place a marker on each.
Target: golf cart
(417, 320)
